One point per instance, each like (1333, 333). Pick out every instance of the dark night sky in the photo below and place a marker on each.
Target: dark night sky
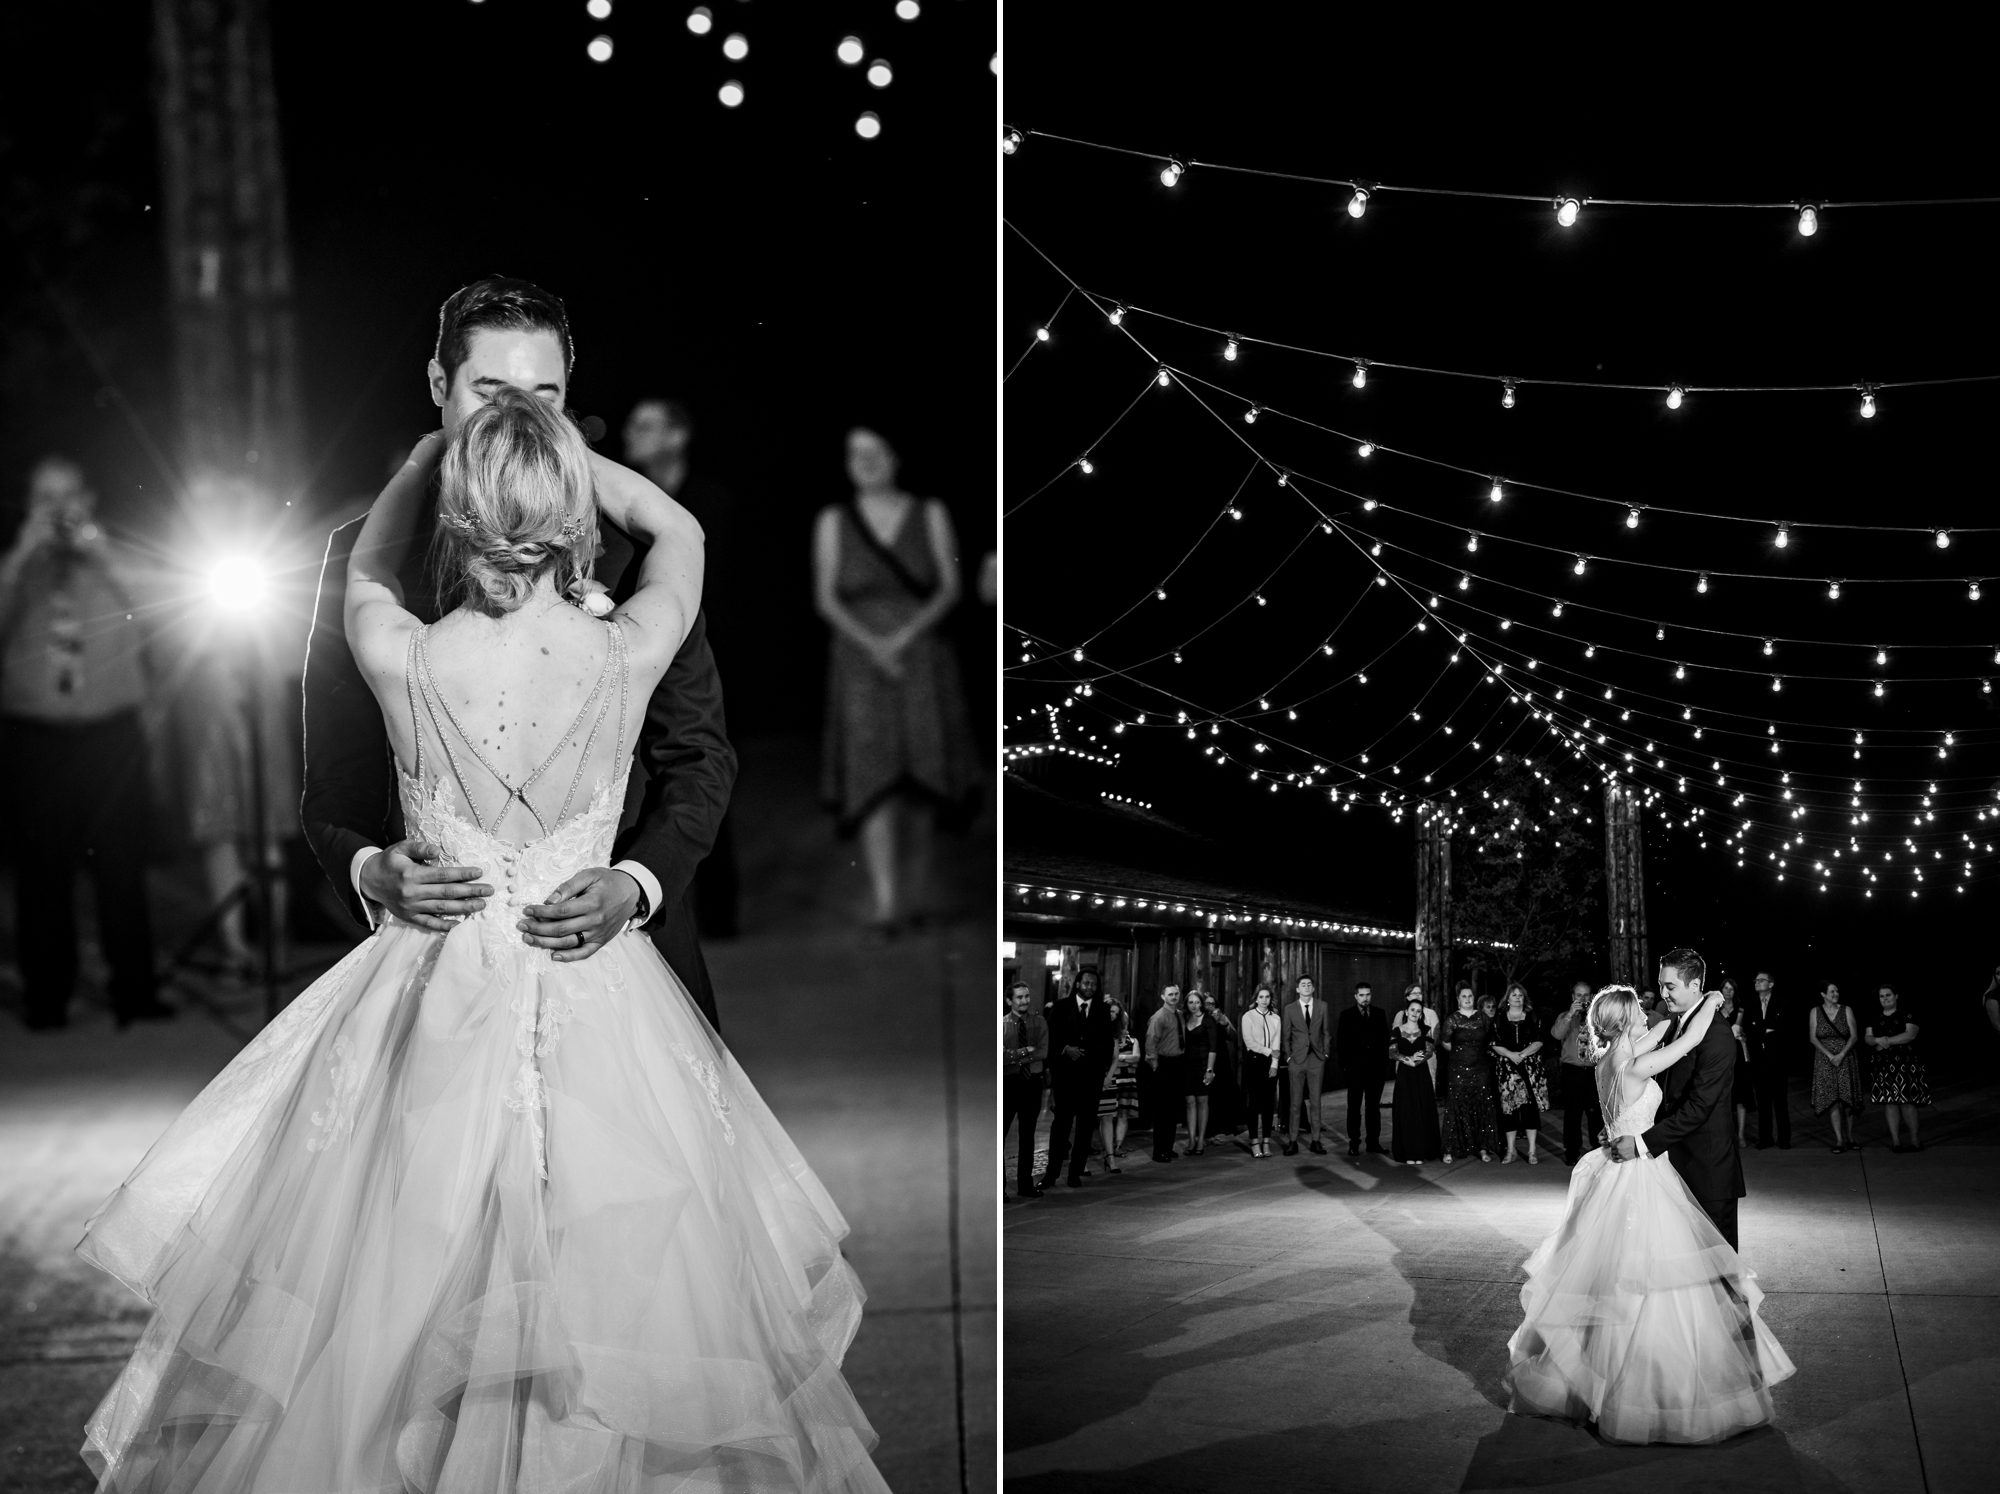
(1635, 295)
(783, 276)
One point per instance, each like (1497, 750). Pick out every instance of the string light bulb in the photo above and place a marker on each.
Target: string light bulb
(1250, 416)
(1360, 375)
(1833, 591)
(1229, 349)
(1701, 583)
(1358, 203)
(1567, 209)
(1557, 610)
(1495, 493)
(1010, 140)
(1464, 582)
(1777, 683)
(1881, 656)
(1085, 466)
(1117, 316)
(1161, 377)
(1472, 539)
(1041, 334)
(1784, 535)
(1680, 671)
(1972, 591)
(1808, 220)
(1878, 690)
(1365, 450)
(1867, 403)
(1674, 398)
(1943, 538)
(1579, 565)
(1507, 395)
(1631, 518)
(1170, 174)
(1768, 644)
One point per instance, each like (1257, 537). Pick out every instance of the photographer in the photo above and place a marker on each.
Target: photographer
(1576, 1078)
(72, 682)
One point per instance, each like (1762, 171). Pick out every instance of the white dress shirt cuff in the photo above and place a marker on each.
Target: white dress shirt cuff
(368, 909)
(648, 884)
(1639, 1141)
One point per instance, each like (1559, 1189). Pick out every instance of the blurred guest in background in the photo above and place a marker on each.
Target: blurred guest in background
(1261, 1032)
(1306, 1050)
(1576, 1076)
(1523, 1086)
(1079, 1058)
(72, 683)
(1120, 1101)
(1767, 1037)
(1225, 1105)
(1165, 1057)
(1989, 1001)
(658, 435)
(1414, 1137)
(1198, 1037)
(1470, 1113)
(1414, 991)
(1361, 1047)
(1836, 1080)
(1896, 1077)
(1024, 1055)
(1743, 1088)
(898, 747)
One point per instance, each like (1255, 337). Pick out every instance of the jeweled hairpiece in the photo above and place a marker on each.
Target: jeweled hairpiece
(572, 527)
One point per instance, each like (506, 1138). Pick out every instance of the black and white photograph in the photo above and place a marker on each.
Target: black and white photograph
(1500, 765)
(498, 568)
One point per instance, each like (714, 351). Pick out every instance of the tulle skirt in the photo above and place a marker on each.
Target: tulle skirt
(1638, 1315)
(463, 1219)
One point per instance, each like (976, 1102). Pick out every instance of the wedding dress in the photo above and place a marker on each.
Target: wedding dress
(1637, 1313)
(463, 1218)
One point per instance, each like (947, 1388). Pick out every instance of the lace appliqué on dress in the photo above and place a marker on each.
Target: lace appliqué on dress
(711, 1081)
(335, 1119)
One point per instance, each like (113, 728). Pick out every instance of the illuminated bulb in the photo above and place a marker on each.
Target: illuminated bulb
(1808, 221)
(1162, 377)
(908, 10)
(1464, 582)
(1944, 539)
(1250, 416)
(1381, 580)
(1077, 655)
(1590, 651)
(1701, 584)
(1784, 535)
(701, 22)
(1507, 395)
(1767, 645)
(1674, 398)
(1881, 656)
(1472, 540)
(1566, 210)
(869, 125)
(1177, 658)
(737, 47)
(1376, 548)
(1868, 404)
(1260, 600)
(1833, 591)
(880, 74)
(1495, 493)
(599, 49)
(1776, 683)
(1010, 141)
(1117, 315)
(1229, 350)
(1972, 591)
(1631, 518)
(1878, 688)
(1557, 610)
(1160, 592)
(1170, 173)
(1327, 649)
(1041, 334)
(1368, 504)
(1579, 565)
(1365, 449)
(1235, 513)
(1360, 376)
(599, 10)
(1986, 687)
(1680, 671)
(1284, 478)
(1263, 705)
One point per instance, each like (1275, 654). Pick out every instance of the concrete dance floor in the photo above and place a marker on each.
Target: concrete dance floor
(1340, 1324)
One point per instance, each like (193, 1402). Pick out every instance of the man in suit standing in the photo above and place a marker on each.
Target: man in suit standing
(1305, 1063)
(504, 331)
(1765, 1029)
(1696, 1123)
(1080, 1042)
(1361, 1047)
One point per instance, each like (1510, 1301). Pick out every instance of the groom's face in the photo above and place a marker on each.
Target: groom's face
(1679, 993)
(531, 361)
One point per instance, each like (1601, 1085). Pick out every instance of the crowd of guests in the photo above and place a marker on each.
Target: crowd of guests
(1475, 1080)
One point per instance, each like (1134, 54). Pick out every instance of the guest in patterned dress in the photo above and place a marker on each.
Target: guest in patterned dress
(1523, 1083)
(1120, 1100)
(1469, 1113)
(1743, 1086)
(1896, 1077)
(1836, 1079)
(899, 750)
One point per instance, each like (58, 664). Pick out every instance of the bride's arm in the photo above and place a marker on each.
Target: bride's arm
(1648, 1040)
(1662, 1059)
(661, 608)
(373, 615)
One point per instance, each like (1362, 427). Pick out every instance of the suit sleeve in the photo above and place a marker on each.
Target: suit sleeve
(690, 768)
(1714, 1072)
(349, 789)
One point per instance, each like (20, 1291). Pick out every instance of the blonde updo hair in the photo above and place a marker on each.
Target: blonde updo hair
(1610, 1014)
(515, 502)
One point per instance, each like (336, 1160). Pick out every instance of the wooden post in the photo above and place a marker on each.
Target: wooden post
(1434, 907)
(229, 268)
(1625, 884)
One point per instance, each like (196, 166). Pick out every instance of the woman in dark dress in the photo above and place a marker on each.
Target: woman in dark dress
(899, 749)
(1201, 1054)
(1225, 1107)
(1413, 1120)
(1469, 1111)
(1896, 1077)
(1523, 1084)
(1836, 1079)
(1743, 1088)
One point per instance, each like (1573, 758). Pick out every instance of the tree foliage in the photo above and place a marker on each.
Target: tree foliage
(1527, 875)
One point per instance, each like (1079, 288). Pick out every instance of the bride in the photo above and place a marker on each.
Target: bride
(467, 1216)
(1638, 1315)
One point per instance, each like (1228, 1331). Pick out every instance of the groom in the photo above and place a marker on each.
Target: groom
(503, 331)
(1696, 1123)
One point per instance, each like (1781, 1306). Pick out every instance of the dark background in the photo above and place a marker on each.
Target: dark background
(781, 275)
(1685, 109)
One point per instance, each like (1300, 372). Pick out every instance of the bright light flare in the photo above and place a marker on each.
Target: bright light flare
(880, 74)
(599, 10)
(599, 49)
(239, 583)
(736, 47)
(908, 10)
(701, 20)
(869, 125)
(731, 94)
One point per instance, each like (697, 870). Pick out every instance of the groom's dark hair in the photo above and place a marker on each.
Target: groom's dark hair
(1691, 966)
(498, 303)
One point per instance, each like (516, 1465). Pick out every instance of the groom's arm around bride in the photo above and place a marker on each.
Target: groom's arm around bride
(1696, 1127)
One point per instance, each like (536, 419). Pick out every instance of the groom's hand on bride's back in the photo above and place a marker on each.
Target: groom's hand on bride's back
(407, 880)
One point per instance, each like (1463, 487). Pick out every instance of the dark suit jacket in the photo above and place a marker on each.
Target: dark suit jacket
(1079, 1080)
(1361, 1044)
(1305, 1041)
(1696, 1124)
(672, 806)
(1769, 1037)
